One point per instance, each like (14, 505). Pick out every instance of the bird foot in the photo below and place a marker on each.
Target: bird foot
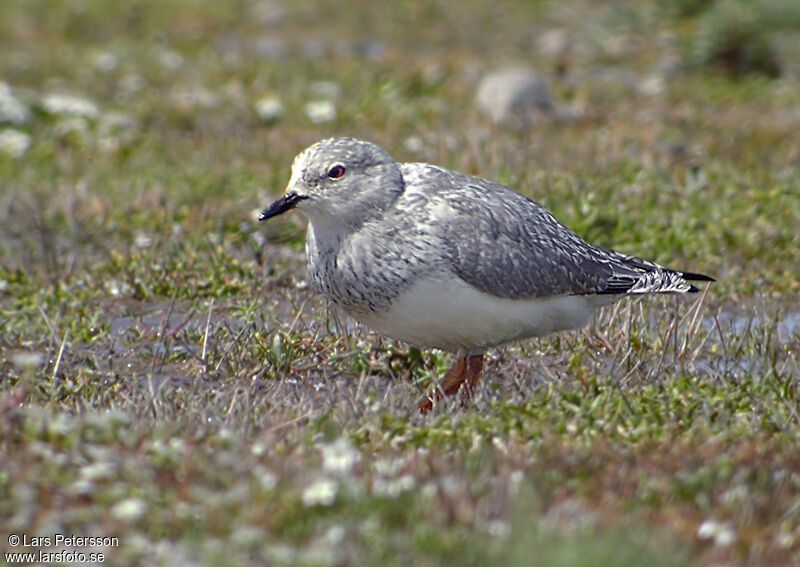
(462, 376)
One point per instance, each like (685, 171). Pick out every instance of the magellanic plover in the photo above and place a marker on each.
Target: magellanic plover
(441, 259)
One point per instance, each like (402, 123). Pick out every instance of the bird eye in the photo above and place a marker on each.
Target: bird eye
(336, 171)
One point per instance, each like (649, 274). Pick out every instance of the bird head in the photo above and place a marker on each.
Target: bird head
(340, 182)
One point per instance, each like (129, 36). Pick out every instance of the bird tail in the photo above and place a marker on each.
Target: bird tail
(693, 277)
(664, 280)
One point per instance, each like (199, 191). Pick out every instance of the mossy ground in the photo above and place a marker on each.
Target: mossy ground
(169, 378)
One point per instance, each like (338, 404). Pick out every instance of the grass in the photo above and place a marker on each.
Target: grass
(168, 377)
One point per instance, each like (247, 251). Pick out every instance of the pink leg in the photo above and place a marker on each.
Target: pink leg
(473, 374)
(450, 385)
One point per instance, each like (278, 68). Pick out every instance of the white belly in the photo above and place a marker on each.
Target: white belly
(455, 316)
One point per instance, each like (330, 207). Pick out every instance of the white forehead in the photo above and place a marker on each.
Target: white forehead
(297, 170)
(307, 157)
(328, 152)
(298, 165)
(300, 161)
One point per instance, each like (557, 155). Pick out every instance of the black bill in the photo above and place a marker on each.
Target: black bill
(282, 205)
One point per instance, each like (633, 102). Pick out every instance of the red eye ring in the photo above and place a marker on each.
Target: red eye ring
(336, 171)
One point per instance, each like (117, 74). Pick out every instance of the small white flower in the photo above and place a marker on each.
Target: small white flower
(725, 537)
(169, 59)
(198, 97)
(737, 493)
(142, 240)
(177, 446)
(269, 109)
(12, 110)
(429, 490)
(129, 510)
(266, 478)
(652, 86)
(247, 536)
(132, 84)
(721, 532)
(105, 61)
(27, 359)
(108, 145)
(71, 125)
(499, 529)
(98, 471)
(334, 536)
(500, 445)
(414, 144)
(393, 488)
(707, 529)
(117, 287)
(14, 143)
(280, 554)
(320, 111)
(67, 105)
(389, 467)
(60, 425)
(450, 485)
(113, 123)
(320, 493)
(82, 487)
(516, 477)
(785, 539)
(339, 457)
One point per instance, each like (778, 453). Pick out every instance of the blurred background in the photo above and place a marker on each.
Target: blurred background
(595, 108)
(167, 376)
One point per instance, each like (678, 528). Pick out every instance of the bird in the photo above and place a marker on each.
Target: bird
(442, 259)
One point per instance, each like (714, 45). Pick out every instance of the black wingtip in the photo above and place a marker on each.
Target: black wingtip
(692, 277)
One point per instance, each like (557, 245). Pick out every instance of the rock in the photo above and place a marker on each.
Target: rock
(608, 75)
(369, 49)
(515, 95)
(268, 13)
(269, 47)
(554, 42)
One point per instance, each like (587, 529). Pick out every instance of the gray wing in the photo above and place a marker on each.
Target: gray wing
(505, 244)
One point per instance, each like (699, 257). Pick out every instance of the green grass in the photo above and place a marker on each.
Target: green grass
(168, 377)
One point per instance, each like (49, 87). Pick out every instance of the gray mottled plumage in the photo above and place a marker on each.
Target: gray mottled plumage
(382, 226)
(503, 243)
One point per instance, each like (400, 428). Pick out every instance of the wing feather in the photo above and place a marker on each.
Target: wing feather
(505, 244)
